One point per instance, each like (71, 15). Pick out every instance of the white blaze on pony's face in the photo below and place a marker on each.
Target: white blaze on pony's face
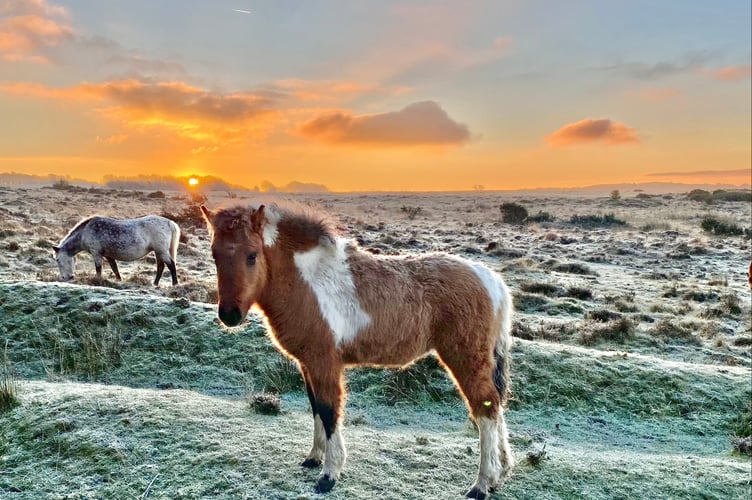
(65, 263)
(237, 249)
(327, 272)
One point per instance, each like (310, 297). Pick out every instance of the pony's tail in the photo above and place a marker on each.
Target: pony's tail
(175, 241)
(503, 349)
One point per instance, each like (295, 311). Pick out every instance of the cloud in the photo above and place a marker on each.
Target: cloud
(656, 94)
(589, 130)
(730, 73)
(211, 119)
(29, 28)
(704, 173)
(421, 123)
(333, 90)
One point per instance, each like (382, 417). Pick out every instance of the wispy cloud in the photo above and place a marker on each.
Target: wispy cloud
(705, 173)
(317, 91)
(656, 94)
(421, 123)
(695, 63)
(730, 73)
(29, 28)
(590, 131)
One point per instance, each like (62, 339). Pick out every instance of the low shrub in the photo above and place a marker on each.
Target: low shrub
(723, 195)
(412, 212)
(512, 213)
(573, 268)
(700, 195)
(540, 217)
(578, 293)
(548, 289)
(605, 220)
(720, 227)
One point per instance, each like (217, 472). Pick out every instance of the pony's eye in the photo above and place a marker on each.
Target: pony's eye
(251, 260)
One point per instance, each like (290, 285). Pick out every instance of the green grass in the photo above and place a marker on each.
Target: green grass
(121, 393)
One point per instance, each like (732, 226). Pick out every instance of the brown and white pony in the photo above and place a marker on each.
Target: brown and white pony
(330, 305)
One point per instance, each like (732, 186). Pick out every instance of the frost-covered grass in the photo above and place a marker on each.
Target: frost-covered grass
(124, 395)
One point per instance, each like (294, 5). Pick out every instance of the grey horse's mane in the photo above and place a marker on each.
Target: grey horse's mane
(77, 228)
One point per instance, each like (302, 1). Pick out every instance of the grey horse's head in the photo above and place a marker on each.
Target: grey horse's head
(65, 263)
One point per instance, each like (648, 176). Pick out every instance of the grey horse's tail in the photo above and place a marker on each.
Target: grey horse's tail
(175, 241)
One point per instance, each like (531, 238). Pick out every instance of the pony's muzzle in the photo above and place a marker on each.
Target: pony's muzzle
(230, 317)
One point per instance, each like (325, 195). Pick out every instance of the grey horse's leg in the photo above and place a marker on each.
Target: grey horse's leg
(160, 270)
(173, 271)
(113, 266)
(98, 266)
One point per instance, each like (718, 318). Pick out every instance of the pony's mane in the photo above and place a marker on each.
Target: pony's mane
(294, 220)
(78, 227)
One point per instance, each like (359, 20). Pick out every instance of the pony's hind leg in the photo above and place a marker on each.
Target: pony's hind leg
(114, 267)
(474, 376)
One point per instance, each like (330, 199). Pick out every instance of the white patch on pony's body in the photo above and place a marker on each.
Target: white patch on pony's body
(491, 282)
(327, 272)
(501, 299)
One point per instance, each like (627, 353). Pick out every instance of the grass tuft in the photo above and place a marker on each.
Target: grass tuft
(668, 329)
(281, 375)
(265, 403)
(8, 385)
(616, 331)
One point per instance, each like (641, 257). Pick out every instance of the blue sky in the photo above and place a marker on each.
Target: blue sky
(423, 95)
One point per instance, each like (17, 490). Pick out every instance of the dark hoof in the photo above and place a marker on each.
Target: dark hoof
(324, 485)
(476, 493)
(311, 462)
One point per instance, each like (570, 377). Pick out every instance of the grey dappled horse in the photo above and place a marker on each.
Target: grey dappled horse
(126, 240)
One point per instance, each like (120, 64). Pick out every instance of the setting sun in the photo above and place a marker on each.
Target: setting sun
(193, 182)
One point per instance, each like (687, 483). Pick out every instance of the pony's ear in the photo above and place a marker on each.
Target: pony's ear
(207, 214)
(258, 218)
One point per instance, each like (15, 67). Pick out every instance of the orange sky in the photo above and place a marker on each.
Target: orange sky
(420, 97)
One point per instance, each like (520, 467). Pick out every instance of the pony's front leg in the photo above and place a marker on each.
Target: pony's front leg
(328, 389)
(318, 449)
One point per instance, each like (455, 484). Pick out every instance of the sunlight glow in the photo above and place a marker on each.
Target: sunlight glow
(193, 182)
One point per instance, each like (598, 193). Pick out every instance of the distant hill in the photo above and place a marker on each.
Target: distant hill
(25, 180)
(157, 183)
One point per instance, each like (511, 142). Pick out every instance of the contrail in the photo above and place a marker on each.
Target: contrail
(243, 11)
